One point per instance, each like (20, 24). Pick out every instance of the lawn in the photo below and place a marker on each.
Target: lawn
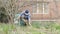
(37, 27)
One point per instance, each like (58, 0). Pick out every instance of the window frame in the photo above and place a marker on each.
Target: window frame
(42, 8)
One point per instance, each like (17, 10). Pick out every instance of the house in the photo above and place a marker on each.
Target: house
(41, 9)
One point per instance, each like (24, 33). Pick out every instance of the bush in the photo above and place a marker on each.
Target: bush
(3, 16)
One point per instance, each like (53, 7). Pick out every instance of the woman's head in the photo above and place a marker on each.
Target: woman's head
(26, 11)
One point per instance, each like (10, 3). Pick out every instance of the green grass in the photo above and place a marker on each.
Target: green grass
(44, 27)
(6, 27)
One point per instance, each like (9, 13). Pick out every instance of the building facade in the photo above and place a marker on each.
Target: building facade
(41, 9)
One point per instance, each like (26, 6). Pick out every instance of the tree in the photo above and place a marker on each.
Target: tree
(10, 8)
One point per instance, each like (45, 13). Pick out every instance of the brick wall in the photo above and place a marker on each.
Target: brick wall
(54, 11)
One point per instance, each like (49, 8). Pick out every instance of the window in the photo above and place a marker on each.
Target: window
(34, 8)
(40, 8)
